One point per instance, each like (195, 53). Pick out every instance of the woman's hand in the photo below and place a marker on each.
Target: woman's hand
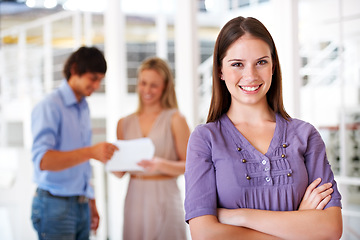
(119, 174)
(316, 197)
(151, 166)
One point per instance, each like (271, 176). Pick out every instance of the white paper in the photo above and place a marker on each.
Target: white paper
(130, 153)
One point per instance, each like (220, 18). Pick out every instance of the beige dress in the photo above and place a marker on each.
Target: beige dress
(154, 208)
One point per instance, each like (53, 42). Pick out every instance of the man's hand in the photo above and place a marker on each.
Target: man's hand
(94, 215)
(103, 151)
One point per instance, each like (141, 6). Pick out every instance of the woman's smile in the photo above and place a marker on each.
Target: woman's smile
(250, 89)
(247, 66)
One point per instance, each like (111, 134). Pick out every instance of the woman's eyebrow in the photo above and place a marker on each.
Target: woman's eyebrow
(239, 59)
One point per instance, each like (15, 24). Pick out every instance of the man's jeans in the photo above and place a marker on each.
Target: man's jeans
(60, 218)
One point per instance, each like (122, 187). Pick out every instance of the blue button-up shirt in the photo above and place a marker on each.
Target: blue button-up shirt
(60, 122)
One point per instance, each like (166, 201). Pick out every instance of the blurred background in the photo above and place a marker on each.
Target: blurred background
(318, 43)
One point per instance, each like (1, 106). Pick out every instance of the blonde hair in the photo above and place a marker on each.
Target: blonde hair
(168, 98)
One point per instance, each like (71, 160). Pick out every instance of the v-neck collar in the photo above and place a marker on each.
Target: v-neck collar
(276, 141)
(153, 125)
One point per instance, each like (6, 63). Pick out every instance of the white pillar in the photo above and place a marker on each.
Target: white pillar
(48, 58)
(20, 83)
(187, 59)
(161, 28)
(3, 85)
(88, 33)
(116, 91)
(287, 42)
(343, 138)
(161, 43)
(26, 116)
(77, 30)
(116, 75)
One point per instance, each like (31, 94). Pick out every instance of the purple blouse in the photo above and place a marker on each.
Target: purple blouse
(223, 170)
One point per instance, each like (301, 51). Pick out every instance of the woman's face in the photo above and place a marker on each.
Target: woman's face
(151, 86)
(247, 70)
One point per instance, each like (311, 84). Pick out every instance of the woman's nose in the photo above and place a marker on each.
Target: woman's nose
(250, 73)
(147, 89)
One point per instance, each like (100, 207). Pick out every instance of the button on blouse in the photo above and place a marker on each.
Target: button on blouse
(218, 174)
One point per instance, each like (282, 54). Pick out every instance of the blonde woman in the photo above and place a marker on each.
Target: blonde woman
(153, 205)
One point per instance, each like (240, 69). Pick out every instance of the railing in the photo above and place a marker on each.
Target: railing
(323, 65)
(38, 56)
(31, 66)
(205, 88)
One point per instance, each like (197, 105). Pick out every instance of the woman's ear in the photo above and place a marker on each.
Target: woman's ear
(221, 75)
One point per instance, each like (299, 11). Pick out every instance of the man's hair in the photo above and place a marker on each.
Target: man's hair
(85, 59)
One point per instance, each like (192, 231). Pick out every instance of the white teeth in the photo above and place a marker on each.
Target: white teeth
(250, 89)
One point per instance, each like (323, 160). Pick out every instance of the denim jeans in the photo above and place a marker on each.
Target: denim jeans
(60, 218)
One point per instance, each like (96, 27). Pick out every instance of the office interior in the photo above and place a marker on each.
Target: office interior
(318, 43)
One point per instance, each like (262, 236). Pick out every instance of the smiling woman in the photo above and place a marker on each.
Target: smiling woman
(161, 215)
(247, 70)
(150, 86)
(252, 171)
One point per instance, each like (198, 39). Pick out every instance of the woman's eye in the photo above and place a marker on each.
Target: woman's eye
(262, 62)
(236, 64)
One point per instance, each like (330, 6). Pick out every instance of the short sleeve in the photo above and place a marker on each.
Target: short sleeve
(318, 165)
(200, 182)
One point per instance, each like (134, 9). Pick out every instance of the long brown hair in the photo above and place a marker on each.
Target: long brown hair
(168, 98)
(232, 31)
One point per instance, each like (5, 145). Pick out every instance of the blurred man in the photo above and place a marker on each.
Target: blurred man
(64, 205)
